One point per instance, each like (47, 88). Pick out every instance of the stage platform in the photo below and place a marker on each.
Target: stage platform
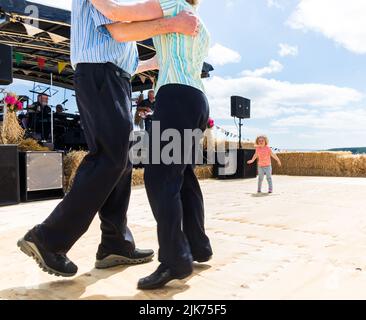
(306, 241)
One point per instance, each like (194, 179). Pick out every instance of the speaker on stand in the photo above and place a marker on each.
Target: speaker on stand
(240, 108)
(233, 163)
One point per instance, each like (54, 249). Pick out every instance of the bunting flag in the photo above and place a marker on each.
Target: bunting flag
(61, 66)
(18, 57)
(233, 135)
(152, 79)
(227, 133)
(41, 62)
(56, 38)
(142, 78)
(33, 31)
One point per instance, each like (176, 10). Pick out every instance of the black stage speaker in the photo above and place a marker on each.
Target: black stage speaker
(240, 107)
(6, 65)
(41, 175)
(9, 175)
(231, 165)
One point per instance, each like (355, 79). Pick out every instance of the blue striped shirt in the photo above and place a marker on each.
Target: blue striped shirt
(91, 42)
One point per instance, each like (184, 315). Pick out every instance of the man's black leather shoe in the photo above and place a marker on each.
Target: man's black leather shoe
(160, 278)
(50, 262)
(108, 260)
(202, 259)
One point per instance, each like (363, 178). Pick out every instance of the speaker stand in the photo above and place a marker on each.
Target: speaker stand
(240, 132)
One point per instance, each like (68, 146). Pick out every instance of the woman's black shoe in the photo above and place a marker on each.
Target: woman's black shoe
(202, 259)
(52, 263)
(160, 278)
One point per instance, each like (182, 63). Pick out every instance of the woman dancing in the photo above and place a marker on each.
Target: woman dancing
(173, 189)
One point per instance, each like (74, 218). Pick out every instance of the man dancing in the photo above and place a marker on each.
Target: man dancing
(104, 59)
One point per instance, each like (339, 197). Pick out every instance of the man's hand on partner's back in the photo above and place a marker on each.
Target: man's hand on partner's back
(187, 23)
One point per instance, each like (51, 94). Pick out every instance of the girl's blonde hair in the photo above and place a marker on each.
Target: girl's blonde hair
(262, 137)
(193, 2)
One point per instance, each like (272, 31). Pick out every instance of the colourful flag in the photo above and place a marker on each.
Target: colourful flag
(18, 57)
(41, 62)
(61, 66)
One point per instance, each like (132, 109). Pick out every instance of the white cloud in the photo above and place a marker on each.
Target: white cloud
(274, 3)
(220, 55)
(273, 67)
(340, 20)
(287, 50)
(340, 120)
(274, 98)
(279, 4)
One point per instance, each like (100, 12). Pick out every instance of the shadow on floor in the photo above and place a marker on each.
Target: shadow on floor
(75, 288)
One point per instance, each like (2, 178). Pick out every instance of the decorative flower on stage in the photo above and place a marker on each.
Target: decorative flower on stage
(10, 99)
(12, 103)
(210, 123)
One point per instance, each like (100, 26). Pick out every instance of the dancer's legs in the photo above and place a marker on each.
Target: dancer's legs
(104, 176)
(178, 107)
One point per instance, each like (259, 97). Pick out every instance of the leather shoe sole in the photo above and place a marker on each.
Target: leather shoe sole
(30, 249)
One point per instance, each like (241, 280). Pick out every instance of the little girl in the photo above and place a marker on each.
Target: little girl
(263, 154)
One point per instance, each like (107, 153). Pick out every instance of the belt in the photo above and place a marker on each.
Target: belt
(119, 72)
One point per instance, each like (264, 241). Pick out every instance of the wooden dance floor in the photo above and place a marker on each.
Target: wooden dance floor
(306, 241)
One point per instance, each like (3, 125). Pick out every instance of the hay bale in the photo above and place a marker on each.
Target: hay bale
(137, 177)
(31, 145)
(204, 172)
(72, 162)
(11, 132)
(352, 165)
(1, 134)
(330, 164)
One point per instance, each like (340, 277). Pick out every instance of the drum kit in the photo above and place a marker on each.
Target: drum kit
(66, 131)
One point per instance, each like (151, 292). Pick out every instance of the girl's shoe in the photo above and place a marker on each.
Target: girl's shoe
(270, 191)
(259, 191)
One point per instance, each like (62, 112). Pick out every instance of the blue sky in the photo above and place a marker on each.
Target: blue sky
(302, 62)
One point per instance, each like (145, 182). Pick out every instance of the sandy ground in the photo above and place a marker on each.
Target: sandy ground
(308, 240)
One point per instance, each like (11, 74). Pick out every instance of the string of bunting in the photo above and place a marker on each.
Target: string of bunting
(144, 77)
(233, 135)
(41, 62)
(226, 133)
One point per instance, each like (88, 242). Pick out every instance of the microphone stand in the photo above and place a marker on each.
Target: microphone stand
(52, 134)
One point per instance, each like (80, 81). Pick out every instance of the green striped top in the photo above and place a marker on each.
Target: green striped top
(181, 57)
